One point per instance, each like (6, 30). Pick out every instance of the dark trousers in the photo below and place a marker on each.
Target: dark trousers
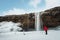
(46, 32)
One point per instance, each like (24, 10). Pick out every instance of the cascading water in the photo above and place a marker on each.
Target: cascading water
(37, 21)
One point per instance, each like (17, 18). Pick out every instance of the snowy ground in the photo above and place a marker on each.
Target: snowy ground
(32, 35)
(7, 34)
(9, 26)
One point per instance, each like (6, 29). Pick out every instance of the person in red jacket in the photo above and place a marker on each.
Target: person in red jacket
(45, 29)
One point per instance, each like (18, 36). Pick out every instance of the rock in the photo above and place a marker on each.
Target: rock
(51, 17)
(27, 20)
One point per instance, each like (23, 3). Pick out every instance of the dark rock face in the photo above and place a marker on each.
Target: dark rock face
(28, 20)
(51, 17)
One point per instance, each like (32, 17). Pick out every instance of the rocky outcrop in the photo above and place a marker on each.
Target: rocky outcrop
(27, 20)
(51, 17)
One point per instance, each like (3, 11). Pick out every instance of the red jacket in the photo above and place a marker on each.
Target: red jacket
(45, 28)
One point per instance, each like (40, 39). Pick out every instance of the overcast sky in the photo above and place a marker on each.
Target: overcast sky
(8, 7)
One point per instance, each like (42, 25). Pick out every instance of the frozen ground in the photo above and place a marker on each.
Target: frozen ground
(9, 26)
(6, 33)
(32, 35)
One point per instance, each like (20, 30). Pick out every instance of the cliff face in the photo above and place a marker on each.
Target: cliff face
(27, 20)
(51, 17)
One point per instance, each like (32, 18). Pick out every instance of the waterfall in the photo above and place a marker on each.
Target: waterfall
(37, 21)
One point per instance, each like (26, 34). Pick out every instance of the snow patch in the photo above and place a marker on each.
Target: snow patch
(9, 26)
